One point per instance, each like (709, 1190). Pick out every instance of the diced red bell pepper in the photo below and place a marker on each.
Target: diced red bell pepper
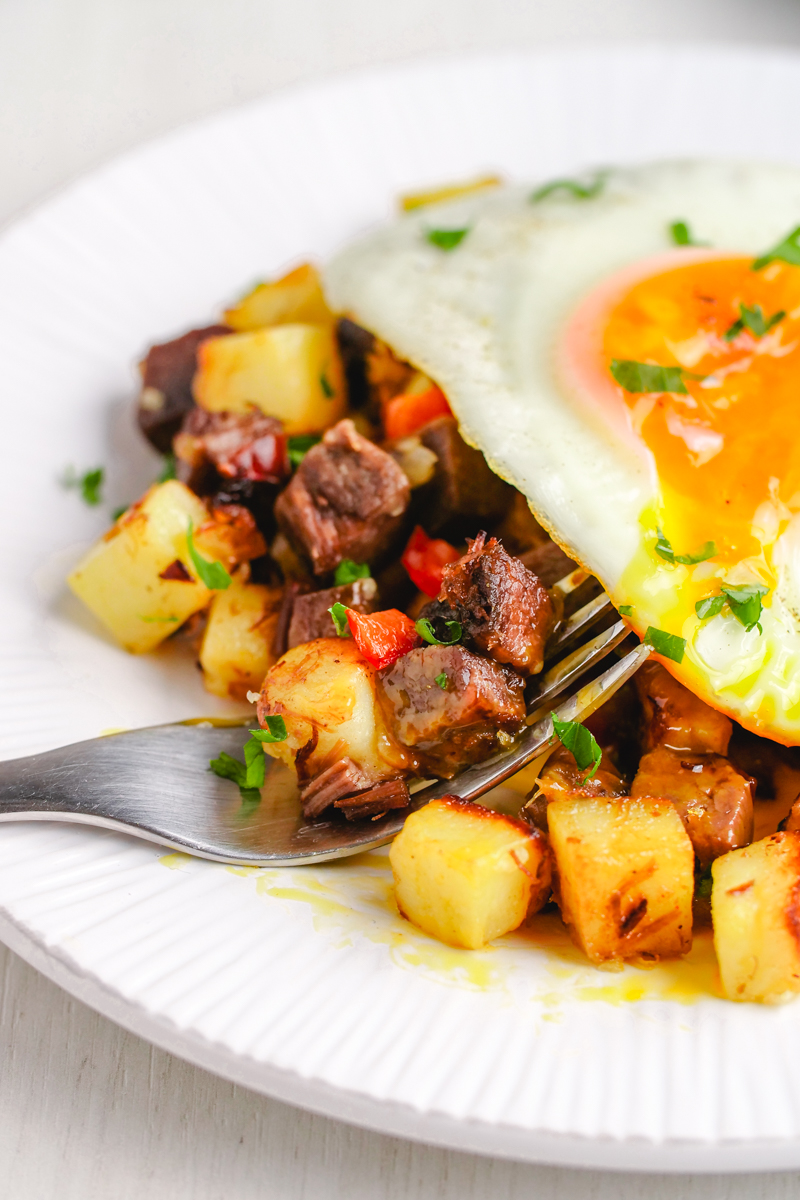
(405, 414)
(383, 637)
(425, 559)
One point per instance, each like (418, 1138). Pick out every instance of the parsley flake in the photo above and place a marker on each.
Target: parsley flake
(571, 188)
(446, 239)
(705, 884)
(581, 744)
(754, 320)
(327, 389)
(119, 512)
(681, 234)
(339, 617)
(211, 573)
(275, 732)
(647, 377)
(441, 680)
(787, 250)
(625, 610)
(249, 775)
(744, 601)
(668, 645)
(168, 469)
(664, 549)
(349, 571)
(89, 484)
(425, 630)
(299, 446)
(159, 620)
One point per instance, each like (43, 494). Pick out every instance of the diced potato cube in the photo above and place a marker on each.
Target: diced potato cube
(236, 651)
(625, 872)
(122, 580)
(755, 907)
(466, 874)
(291, 372)
(327, 694)
(296, 298)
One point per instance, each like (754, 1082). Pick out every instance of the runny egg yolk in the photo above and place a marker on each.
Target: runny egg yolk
(732, 441)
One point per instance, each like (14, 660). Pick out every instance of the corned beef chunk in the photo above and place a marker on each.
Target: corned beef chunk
(216, 448)
(713, 799)
(675, 717)
(166, 395)
(548, 563)
(463, 492)
(342, 778)
(503, 609)
(310, 617)
(346, 500)
(563, 777)
(375, 801)
(448, 705)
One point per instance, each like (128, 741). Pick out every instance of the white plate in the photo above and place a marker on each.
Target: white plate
(306, 984)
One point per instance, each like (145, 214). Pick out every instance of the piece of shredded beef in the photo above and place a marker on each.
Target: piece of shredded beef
(342, 778)
(504, 610)
(375, 801)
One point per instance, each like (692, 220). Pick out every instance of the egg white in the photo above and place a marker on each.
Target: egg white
(484, 320)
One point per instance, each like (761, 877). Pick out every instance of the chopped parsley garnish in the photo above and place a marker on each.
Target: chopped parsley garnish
(89, 484)
(168, 470)
(668, 645)
(446, 239)
(118, 512)
(787, 251)
(580, 743)
(705, 883)
(299, 446)
(571, 188)
(754, 320)
(249, 776)
(339, 617)
(275, 732)
(159, 620)
(625, 610)
(647, 377)
(663, 548)
(441, 680)
(211, 573)
(327, 389)
(349, 571)
(681, 234)
(744, 601)
(425, 630)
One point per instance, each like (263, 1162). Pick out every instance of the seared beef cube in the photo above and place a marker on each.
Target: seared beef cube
(354, 345)
(346, 500)
(166, 395)
(464, 492)
(675, 717)
(563, 777)
(231, 447)
(548, 562)
(311, 618)
(449, 705)
(503, 609)
(713, 799)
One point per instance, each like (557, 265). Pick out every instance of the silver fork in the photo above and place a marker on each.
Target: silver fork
(155, 783)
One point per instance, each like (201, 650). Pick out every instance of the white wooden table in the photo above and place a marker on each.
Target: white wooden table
(88, 1111)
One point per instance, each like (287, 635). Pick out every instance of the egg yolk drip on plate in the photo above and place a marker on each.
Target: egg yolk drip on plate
(702, 362)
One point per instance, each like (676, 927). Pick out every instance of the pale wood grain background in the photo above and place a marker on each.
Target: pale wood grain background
(87, 1111)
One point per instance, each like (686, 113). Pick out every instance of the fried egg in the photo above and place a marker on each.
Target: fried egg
(643, 395)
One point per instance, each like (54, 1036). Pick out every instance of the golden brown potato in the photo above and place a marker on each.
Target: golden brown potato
(139, 578)
(230, 535)
(291, 372)
(755, 907)
(297, 298)
(625, 876)
(465, 874)
(326, 693)
(236, 651)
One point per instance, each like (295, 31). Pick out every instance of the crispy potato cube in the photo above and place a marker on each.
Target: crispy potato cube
(236, 651)
(755, 907)
(625, 876)
(466, 874)
(327, 694)
(296, 298)
(292, 372)
(138, 579)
